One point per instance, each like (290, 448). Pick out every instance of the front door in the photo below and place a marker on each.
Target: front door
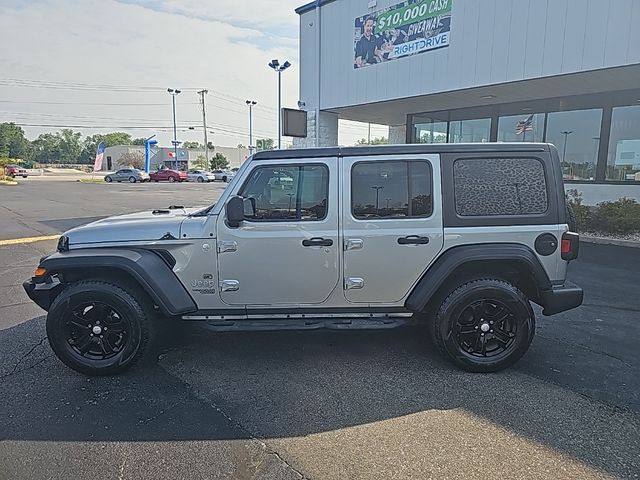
(287, 252)
(392, 224)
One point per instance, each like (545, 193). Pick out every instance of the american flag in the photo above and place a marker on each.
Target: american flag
(525, 125)
(97, 165)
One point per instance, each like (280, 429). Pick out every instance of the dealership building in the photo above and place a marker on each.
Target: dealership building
(564, 71)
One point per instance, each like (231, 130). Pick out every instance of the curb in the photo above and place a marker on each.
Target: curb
(610, 241)
(8, 183)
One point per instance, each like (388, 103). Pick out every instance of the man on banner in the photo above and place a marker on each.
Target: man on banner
(97, 165)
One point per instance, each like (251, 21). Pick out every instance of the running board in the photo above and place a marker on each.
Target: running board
(306, 322)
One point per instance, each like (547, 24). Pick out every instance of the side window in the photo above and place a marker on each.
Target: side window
(397, 189)
(288, 192)
(499, 186)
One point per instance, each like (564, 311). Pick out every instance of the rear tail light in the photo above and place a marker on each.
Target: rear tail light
(569, 246)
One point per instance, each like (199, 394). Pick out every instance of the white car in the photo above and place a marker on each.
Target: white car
(224, 175)
(200, 176)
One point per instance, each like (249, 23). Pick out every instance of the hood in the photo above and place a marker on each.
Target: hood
(147, 226)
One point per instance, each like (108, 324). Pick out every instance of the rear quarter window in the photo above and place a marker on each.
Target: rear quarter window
(500, 186)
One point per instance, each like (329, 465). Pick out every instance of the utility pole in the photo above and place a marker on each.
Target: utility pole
(202, 93)
(174, 93)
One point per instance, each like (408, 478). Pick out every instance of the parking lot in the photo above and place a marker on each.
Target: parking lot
(318, 404)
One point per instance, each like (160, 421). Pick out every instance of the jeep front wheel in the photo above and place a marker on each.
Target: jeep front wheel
(484, 325)
(98, 328)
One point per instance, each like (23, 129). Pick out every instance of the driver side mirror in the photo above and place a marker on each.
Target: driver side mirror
(238, 208)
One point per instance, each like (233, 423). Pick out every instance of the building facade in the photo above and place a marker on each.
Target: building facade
(165, 156)
(562, 71)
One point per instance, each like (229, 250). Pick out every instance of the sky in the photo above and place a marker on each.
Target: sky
(105, 65)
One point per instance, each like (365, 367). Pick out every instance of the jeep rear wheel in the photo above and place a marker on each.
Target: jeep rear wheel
(484, 325)
(98, 328)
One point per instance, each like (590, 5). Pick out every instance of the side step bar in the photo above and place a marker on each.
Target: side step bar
(309, 322)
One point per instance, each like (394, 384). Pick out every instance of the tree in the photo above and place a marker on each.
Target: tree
(265, 144)
(88, 154)
(134, 159)
(138, 141)
(201, 162)
(241, 146)
(219, 162)
(70, 145)
(192, 145)
(46, 148)
(374, 141)
(13, 143)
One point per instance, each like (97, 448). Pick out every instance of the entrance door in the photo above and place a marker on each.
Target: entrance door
(287, 253)
(392, 225)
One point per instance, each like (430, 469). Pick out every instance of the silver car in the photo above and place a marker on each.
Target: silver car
(200, 176)
(224, 175)
(131, 175)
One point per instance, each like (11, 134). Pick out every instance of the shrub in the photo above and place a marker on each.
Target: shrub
(621, 216)
(582, 212)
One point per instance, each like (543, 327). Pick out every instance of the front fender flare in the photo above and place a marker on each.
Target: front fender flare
(147, 268)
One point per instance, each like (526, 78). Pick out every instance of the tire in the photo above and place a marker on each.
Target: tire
(172, 179)
(24, 176)
(224, 179)
(131, 335)
(571, 218)
(200, 180)
(108, 179)
(132, 179)
(463, 330)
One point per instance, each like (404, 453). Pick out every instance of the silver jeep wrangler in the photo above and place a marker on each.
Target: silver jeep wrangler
(462, 236)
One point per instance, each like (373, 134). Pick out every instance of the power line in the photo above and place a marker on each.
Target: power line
(30, 102)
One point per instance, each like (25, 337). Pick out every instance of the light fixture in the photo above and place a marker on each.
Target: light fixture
(527, 109)
(487, 97)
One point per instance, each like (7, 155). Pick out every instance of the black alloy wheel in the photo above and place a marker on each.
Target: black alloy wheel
(98, 328)
(484, 325)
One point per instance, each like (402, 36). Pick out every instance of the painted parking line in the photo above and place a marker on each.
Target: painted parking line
(15, 241)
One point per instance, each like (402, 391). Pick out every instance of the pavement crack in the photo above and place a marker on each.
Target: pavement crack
(612, 307)
(588, 349)
(150, 419)
(121, 472)
(15, 370)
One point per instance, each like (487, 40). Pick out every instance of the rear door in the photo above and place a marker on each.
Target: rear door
(392, 228)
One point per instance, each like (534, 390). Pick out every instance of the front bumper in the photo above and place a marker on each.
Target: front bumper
(42, 292)
(561, 298)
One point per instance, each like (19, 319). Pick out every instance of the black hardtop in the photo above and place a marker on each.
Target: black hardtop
(414, 148)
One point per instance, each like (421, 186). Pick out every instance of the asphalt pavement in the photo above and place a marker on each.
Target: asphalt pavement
(379, 404)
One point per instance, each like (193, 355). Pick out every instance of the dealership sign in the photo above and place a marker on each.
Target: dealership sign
(407, 28)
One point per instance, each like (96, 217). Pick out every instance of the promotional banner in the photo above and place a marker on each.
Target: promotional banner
(407, 28)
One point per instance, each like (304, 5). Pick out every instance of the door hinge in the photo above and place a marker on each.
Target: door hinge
(353, 244)
(229, 285)
(227, 246)
(353, 283)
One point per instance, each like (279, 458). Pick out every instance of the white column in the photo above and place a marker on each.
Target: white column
(397, 134)
(327, 131)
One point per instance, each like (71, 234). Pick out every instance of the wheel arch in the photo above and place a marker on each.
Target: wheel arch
(514, 263)
(145, 272)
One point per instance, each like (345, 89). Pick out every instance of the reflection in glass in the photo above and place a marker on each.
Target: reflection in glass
(576, 135)
(470, 131)
(383, 190)
(623, 157)
(429, 130)
(288, 192)
(521, 128)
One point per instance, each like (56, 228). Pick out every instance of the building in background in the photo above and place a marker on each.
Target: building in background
(164, 156)
(565, 72)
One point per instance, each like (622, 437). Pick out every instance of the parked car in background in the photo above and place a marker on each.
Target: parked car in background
(200, 176)
(168, 175)
(224, 175)
(131, 175)
(15, 171)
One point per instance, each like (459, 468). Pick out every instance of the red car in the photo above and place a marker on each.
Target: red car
(15, 171)
(168, 175)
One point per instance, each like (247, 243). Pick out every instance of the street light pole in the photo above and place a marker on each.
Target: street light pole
(275, 64)
(377, 189)
(250, 104)
(566, 133)
(174, 93)
(202, 93)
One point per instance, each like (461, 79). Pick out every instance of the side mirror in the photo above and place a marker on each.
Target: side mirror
(235, 211)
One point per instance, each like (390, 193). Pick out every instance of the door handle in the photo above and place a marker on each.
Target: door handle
(413, 240)
(317, 242)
